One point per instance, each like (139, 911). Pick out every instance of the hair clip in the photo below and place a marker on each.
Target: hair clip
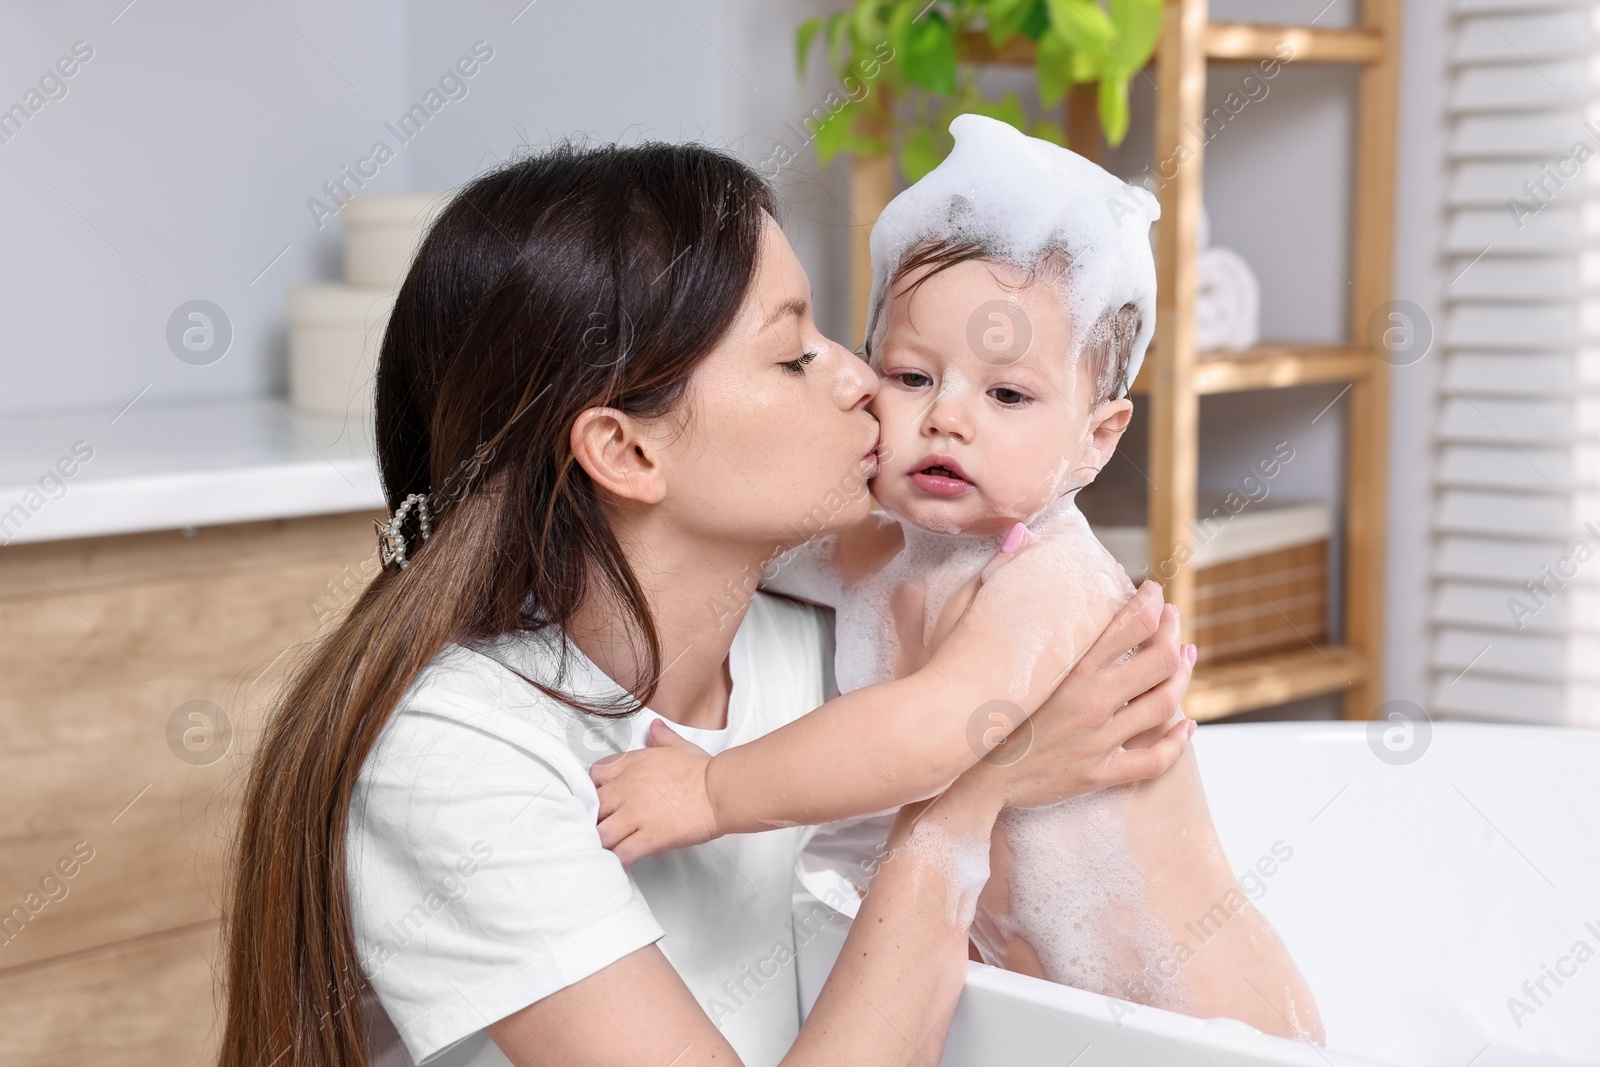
(391, 541)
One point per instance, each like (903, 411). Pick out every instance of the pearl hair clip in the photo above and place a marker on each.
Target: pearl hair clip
(391, 541)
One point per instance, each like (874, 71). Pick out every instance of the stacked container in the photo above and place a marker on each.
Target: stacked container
(335, 331)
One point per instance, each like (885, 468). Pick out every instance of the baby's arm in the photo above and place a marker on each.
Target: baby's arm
(890, 744)
(885, 745)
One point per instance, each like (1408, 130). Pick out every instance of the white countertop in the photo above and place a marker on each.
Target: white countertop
(168, 466)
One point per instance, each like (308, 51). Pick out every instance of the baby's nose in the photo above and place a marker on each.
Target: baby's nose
(947, 418)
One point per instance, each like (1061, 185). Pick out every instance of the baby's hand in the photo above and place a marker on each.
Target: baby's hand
(654, 799)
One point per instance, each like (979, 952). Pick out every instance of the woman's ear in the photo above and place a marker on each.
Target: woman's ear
(1106, 425)
(618, 455)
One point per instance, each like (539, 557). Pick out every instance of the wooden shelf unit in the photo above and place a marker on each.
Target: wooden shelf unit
(1268, 367)
(1225, 42)
(1263, 681)
(1238, 42)
(1175, 375)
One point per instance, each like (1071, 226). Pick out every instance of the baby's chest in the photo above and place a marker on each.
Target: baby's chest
(888, 628)
(864, 649)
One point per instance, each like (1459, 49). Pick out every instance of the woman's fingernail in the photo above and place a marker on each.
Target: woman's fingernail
(1193, 652)
(1192, 725)
(1014, 538)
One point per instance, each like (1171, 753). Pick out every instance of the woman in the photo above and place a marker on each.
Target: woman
(603, 373)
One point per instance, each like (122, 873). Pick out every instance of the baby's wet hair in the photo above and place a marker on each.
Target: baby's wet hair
(1107, 344)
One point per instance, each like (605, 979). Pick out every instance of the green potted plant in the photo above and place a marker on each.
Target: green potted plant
(928, 54)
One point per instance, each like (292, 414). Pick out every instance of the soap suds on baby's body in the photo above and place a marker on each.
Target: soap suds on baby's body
(1077, 896)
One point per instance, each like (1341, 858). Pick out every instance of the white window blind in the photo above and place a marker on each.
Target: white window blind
(1515, 610)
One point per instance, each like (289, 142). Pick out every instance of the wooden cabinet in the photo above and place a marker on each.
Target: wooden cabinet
(119, 659)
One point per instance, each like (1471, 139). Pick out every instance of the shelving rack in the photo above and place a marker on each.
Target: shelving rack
(1175, 375)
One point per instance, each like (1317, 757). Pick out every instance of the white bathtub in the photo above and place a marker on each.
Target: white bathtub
(1425, 887)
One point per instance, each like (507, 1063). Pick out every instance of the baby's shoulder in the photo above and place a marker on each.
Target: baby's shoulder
(1071, 546)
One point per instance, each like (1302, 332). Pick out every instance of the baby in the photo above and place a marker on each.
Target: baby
(1012, 303)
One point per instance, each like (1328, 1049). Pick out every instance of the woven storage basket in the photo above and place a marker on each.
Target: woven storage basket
(1261, 575)
(1262, 603)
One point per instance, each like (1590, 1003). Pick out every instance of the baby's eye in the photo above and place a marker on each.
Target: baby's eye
(912, 379)
(1009, 397)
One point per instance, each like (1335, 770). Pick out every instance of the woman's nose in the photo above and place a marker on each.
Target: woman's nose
(855, 384)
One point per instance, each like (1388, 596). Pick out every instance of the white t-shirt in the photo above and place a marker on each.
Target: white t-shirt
(478, 883)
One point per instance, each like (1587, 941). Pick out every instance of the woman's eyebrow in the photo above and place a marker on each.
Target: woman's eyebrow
(795, 305)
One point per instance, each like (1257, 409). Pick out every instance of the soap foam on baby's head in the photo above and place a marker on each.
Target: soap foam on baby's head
(1024, 199)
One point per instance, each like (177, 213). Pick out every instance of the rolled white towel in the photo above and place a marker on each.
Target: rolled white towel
(1227, 309)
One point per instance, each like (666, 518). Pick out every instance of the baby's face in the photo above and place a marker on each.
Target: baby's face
(985, 417)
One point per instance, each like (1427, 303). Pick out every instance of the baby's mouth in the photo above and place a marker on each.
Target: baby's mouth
(941, 479)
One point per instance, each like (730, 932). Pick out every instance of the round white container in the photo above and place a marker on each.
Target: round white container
(335, 332)
(382, 230)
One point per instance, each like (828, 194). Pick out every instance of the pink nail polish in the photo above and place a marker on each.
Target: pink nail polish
(1192, 725)
(1193, 652)
(1014, 538)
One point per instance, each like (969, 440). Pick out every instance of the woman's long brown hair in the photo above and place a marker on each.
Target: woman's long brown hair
(574, 278)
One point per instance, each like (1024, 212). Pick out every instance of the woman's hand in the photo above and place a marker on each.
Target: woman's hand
(654, 799)
(1129, 683)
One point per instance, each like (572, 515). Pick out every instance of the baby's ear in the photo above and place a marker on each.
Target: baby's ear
(1106, 426)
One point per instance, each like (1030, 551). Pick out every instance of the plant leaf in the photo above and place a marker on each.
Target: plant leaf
(1037, 22)
(1084, 25)
(867, 27)
(833, 133)
(1138, 25)
(900, 29)
(1046, 130)
(802, 44)
(1007, 109)
(1007, 17)
(838, 25)
(921, 153)
(1088, 67)
(930, 59)
(1114, 106)
(1052, 67)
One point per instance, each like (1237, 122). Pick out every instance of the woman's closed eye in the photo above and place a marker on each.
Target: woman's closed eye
(1009, 397)
(798, 366)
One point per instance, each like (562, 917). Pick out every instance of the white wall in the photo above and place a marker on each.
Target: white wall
(717, 71)
(176, 167)
(609, 69)
(193, 138)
